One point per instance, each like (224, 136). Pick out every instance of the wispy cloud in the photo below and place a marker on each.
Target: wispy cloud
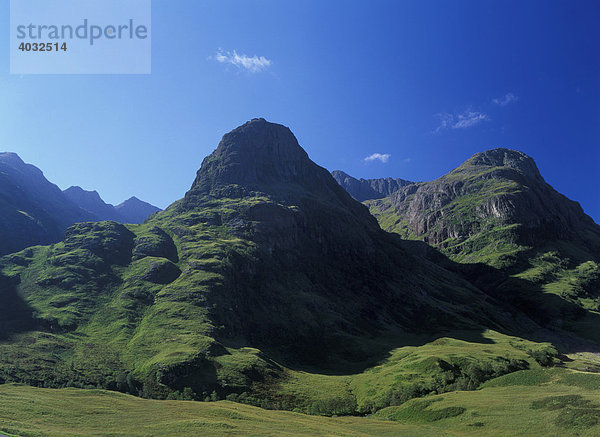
(506, 100)
(461, 120)
(253, 64)
(407, 160)
(383, 157)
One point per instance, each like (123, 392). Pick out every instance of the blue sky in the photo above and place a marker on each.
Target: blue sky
(428, 83)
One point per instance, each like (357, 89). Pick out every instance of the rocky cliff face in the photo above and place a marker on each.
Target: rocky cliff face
(262, 157)
(368, 189)
(261, 186)
(497, 196)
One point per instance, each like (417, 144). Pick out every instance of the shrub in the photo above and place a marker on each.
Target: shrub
(543, 356)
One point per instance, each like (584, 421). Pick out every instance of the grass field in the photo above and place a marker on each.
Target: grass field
(539, 402)
(27, 411)
(543, 402)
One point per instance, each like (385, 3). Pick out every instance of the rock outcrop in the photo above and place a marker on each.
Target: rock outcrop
(496, 196)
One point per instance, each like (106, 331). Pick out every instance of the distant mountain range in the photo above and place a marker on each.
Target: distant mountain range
(34, 211)
(368, 189)
(133, 210)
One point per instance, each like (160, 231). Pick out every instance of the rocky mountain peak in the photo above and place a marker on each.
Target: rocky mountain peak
(263, 157)
(256, 155)
(503, 157)
(134, 210)
(11, 158)
(460, 210)
(80, 192)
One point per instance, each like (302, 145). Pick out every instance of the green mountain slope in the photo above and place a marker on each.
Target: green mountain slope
(267, 283)
(497, 209)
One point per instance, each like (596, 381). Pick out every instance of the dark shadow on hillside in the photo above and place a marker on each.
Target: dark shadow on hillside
(521, 309)
(551, 313)
(15, 314)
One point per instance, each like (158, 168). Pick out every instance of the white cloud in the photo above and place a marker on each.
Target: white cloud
(461, 120)
(407, 160)
(253, 64)
(383, 157)
(506, 100)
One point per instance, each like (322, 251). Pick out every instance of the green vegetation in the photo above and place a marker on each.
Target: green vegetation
(168, 310)
(466, 226)
(132, 327)
(549, 402)
(33, 412)
(445, 364)
(269, 286)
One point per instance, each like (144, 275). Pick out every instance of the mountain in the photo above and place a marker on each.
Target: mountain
(497, 209)
(134, 210)
(368, 189)
(32, 210)
(93, 203)
(264, 284)
(497, 196)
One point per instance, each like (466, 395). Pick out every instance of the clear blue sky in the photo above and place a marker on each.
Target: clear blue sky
(429, 83)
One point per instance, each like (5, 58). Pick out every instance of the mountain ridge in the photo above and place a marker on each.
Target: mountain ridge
(494, 188)
(35, 211)
(132, 210)
(32, 209)
(265, 283)
(259, 270)
(368, 189)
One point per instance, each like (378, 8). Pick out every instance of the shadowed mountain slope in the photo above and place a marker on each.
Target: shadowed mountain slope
(93, 203)
(32, 210)
(497, 209)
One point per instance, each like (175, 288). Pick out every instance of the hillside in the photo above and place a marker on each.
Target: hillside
(267, 284)
(32, 210)
(91, 202)
(497, 209)
(489, 209)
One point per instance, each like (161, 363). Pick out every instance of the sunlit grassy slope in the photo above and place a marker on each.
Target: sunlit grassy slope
(27, 411)
(549, 402)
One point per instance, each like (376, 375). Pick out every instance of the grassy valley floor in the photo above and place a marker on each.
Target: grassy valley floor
(548, 402)
(28, 411)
